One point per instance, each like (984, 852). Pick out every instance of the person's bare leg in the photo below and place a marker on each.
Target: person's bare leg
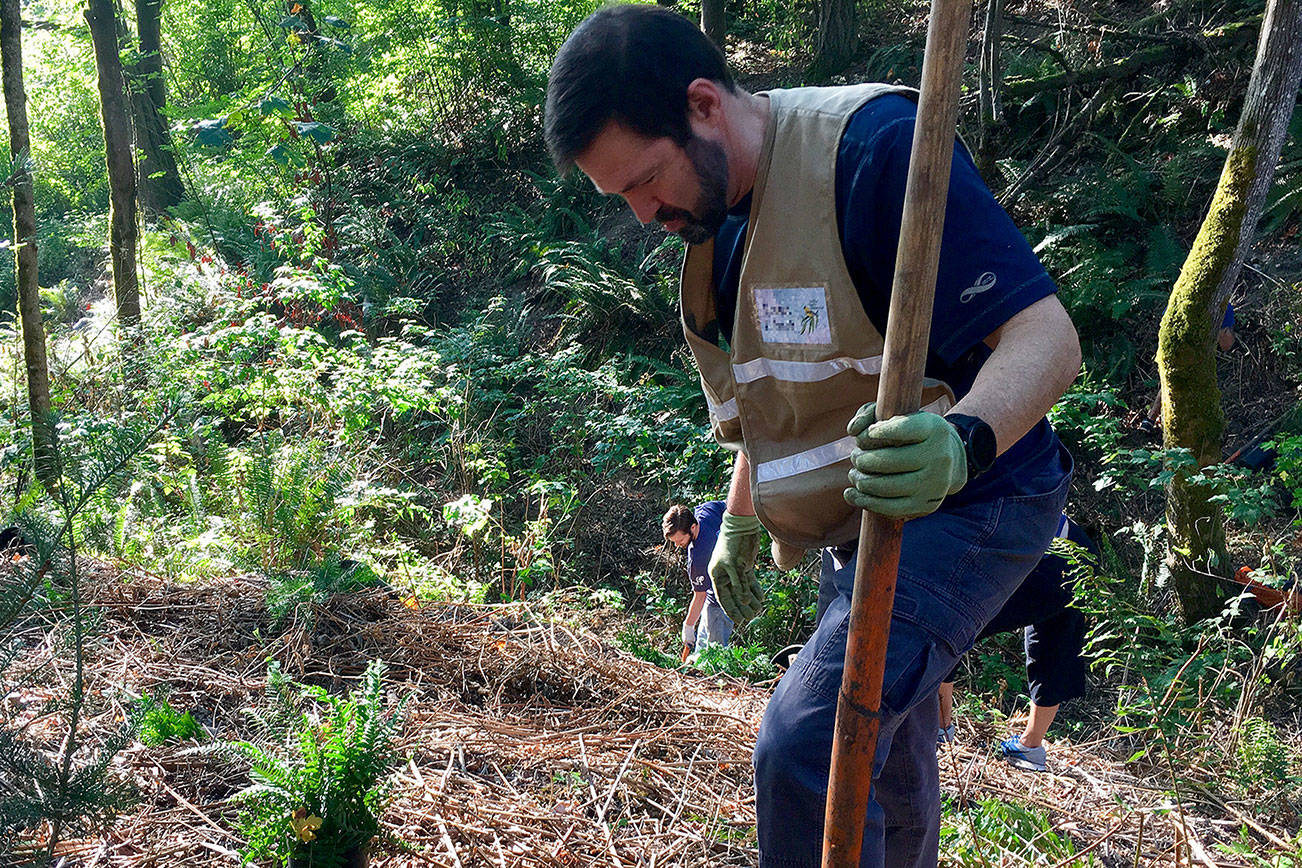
(1225, 339)
(1037, 723)
(946, 695)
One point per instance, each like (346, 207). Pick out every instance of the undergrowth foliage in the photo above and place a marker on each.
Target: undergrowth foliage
(61, 781)
(319, 767)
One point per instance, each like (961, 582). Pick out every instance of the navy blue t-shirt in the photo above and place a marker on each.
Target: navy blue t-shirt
(987, 274)
(708, 518)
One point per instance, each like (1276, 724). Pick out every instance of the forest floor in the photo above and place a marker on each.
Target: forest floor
(531, 741)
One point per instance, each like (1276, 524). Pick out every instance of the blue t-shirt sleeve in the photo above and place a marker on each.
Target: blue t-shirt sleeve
(988, 272)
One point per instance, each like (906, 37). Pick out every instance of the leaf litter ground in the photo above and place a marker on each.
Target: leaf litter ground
(529, 743)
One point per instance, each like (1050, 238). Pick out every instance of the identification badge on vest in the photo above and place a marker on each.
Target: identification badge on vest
(793, 315)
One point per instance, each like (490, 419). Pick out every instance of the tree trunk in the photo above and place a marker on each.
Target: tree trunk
(29, 291)
(100, 15)
(159, 178)
(990, 79)
(1191, 405)
(837, 37)
(712, 20)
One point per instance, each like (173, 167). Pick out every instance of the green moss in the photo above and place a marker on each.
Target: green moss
(1191, 401)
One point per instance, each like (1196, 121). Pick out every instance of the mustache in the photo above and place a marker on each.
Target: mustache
(668, 213)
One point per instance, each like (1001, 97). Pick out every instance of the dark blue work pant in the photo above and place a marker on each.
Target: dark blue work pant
(957, 567)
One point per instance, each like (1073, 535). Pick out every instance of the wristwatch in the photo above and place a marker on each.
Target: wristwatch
(979, 443)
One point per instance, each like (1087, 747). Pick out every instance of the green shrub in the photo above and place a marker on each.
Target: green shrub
(991, 828)
(749, 662)
(158, 722)
(641, 646)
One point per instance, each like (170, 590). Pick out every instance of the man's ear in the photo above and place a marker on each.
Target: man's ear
(704, 101)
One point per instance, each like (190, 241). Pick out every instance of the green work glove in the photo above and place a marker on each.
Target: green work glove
(905, 466)
(732, 568)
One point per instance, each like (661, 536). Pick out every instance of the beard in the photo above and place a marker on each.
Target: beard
(711, 166)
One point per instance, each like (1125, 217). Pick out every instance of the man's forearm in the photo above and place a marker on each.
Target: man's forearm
(695, 607)
(1035, 357)
(739, 502)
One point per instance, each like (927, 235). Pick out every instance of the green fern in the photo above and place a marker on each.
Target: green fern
(1261, 756)
(321, 757)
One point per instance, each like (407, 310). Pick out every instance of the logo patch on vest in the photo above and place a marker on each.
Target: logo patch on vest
(793, 315)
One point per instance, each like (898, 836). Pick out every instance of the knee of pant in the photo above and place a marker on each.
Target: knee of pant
(778, 748)
(770, 745)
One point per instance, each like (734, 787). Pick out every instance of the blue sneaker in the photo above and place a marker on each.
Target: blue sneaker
(945, 734)
(1032, 759)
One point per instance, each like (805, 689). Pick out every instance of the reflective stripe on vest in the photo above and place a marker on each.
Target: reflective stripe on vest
(802, 372)
(725, 412)
(825, 455)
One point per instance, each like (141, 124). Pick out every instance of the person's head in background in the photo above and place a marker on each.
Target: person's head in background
(679, 525)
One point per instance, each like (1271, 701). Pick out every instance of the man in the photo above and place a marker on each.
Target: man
(696, 530)
(1055, 634)
(790, 202)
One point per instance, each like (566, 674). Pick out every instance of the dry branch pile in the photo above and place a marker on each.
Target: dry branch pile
(530, 745)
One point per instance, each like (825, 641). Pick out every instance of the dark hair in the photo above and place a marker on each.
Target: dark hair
(679, 519)
(631, 64)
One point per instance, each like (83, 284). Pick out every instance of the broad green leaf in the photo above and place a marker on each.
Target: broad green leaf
(336, 44)
(316, 131)
(212, 133)
(279, 154)
(274, 105)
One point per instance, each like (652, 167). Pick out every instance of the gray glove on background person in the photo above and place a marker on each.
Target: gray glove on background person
(689, 634)
(732, 567)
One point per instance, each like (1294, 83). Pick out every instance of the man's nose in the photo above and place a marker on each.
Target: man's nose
(644, 207)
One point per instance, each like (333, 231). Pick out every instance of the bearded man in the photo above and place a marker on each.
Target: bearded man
(790, 202)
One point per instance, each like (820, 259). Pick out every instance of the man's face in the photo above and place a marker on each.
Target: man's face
(684, 188)
(683, 538)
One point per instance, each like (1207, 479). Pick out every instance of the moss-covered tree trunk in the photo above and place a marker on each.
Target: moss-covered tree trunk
(159, 179)
(24, 203)
(1191, 400)
(101, 15)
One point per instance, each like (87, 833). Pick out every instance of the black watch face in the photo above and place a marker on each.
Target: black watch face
(982, 446)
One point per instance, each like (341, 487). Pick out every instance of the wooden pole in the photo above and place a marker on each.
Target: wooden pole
(858, 711)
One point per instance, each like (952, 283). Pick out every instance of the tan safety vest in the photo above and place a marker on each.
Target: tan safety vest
(804, 355)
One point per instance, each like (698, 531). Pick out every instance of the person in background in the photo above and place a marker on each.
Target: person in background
(697, 530)
(1055, 634)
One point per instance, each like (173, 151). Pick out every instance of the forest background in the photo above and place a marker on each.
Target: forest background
(384, 349)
